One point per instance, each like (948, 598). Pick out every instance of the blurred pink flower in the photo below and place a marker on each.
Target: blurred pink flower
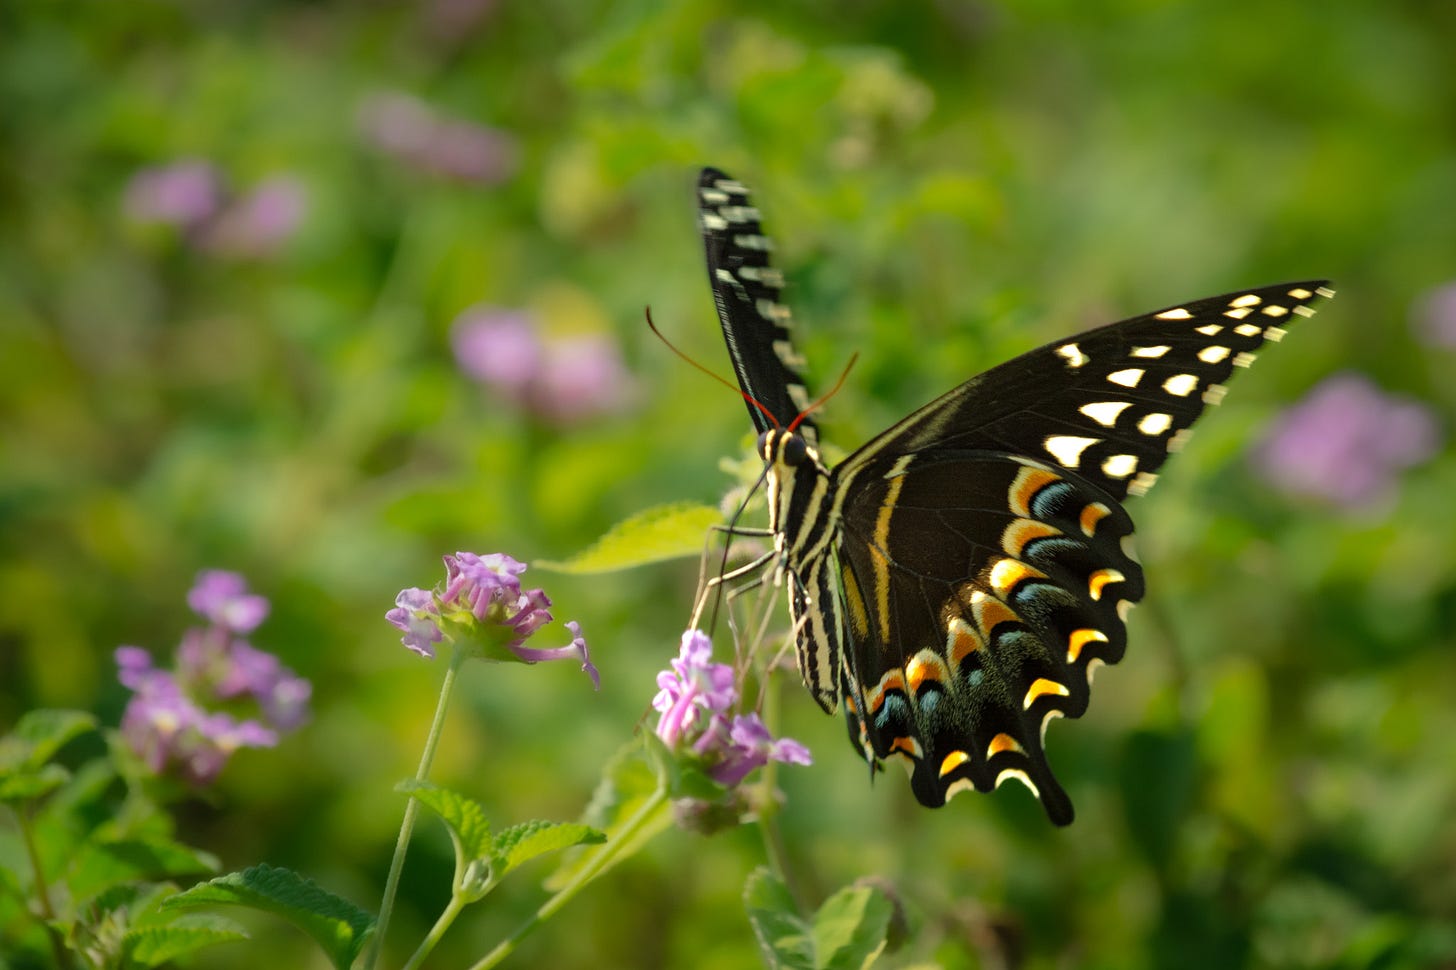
(1346, 443)
(412, 131)
(561, 379)
(261, 221)
(185, 194)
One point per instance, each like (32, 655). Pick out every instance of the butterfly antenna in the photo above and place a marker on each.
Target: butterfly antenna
(830, 393)
(739, 391)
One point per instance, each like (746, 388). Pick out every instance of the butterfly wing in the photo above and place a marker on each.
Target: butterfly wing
(756, 325)
(984, 554)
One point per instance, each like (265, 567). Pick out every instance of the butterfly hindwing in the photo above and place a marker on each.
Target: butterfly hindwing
(983, 590)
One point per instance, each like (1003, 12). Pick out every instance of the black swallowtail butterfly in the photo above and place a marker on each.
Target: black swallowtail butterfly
(957, 580)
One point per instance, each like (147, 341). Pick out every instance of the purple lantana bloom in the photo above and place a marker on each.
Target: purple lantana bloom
(261, 221)
(696, 699)
(185, 194)
(414, 132)
(222, 693)
(563, 379)
(483, 611)
(1346, 442)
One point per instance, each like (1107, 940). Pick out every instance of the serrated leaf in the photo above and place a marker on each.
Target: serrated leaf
(336, 924)
(39, 734)
(851, 927)
(153, 946)
(464, 817)
(521, 843)
(785, 940)
(663, 532)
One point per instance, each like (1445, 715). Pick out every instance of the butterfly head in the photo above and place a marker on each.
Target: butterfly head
(777, 447)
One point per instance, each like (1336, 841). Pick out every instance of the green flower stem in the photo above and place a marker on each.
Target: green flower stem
(411, 811)
(651, 819)
(457, 903)
(768, 803)
(43, 891)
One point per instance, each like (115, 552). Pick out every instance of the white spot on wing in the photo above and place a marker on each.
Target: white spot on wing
(1180, 385)
(1214, 393)
(1209, 330)
(1177, 313)
(1151, 351)
(1119, 466)
(1139, 486)
(1248, 299)
(1073, 354)
(1300, 293)
(1128, 377)
(1155, 423)
(1238, 313)
(1213, 355)
(1274, 310)
(1243, 359)
(1249, 329)
(1105, 412)
(1275, 334)
(1067, 448)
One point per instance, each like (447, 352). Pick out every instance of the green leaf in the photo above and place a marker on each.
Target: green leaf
(28, 785)
(464, 817)
(851, 927)
(102, 864)
(663, 532)
(38, 735)
(521, 843)
(337, 925)
(628, 782)
(847, 933)
(784, 939)
(153, 946)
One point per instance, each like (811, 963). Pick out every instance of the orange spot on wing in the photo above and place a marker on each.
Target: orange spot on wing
(961, 641)
(1003, 742)
(924, 666)
(1028, 482)
(906, 746)
(989, 612)
(1098, 580)
(1023, 531)
(953, 761)
(1080, 639)
(1091, 515)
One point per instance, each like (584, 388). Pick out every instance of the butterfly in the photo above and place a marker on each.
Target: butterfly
(956, 582)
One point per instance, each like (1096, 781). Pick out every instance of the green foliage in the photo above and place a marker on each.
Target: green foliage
(1268, 772)
(337, 925)
(848, 932)
(653, 535)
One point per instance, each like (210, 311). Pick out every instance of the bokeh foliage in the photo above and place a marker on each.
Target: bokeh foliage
(1267, 780)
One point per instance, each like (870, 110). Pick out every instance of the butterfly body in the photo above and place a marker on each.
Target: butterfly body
(956, 581)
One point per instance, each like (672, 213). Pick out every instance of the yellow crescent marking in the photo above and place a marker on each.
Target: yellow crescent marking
(1023, 531)
(925, 665)
(1079, 639)
(991, 612)
(1091, 515)
(953, 761)
(1092, 666)
(1099, 580)
(906, 746)
(1042, 686)
(961, 641)
(1003, 742)
(1047, 719)
(1008, 572)
(1124, 607)
(1028, 482)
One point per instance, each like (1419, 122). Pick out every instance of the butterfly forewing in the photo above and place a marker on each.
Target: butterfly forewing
(958, 579)
(756, 325)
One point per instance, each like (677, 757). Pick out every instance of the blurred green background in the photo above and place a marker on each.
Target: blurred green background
(1266, 780)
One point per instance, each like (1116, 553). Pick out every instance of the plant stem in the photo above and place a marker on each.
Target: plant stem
(650, 819)
(411, 810)
(42, 891)
(452, 910)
